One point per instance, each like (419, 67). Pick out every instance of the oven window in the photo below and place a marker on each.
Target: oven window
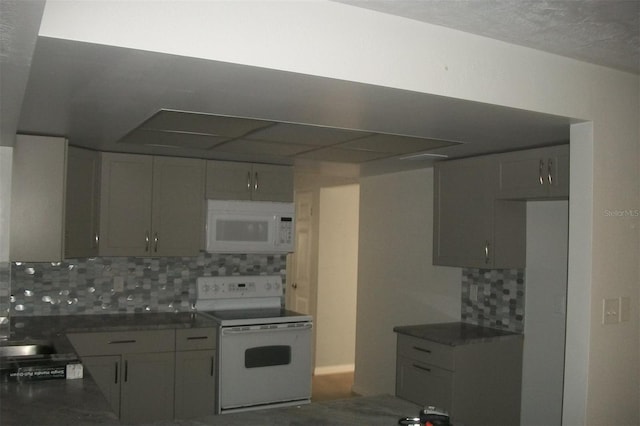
(267, 356)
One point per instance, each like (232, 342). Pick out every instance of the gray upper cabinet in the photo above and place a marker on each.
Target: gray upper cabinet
(151, 206)
(37, 199)
(228, 180)
(471, 228)
(534, 174)
(82, 203)
(178, 206)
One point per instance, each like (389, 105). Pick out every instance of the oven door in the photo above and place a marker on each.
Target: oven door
(264, 365)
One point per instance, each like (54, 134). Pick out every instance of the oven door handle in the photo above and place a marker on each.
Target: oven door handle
(236, 330)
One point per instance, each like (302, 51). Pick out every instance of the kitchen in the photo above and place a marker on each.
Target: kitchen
(601, 145)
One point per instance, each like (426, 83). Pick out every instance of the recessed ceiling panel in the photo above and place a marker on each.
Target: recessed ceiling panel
(306, 134)
(171, 139)
(395, 144)
(342, 155)
(219, 125)
(246, 146)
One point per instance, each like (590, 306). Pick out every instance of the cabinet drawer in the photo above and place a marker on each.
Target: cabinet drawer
(424, 384)
(195, 339)
(426, 351)
(123, 342)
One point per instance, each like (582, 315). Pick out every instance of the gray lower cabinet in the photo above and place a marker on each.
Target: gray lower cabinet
(477, 383)
(134, 369)
(195, 380)
(152, 375)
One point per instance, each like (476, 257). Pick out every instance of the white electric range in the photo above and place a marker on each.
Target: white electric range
(264, 350)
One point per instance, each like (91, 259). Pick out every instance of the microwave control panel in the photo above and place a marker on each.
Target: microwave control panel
(286, 231)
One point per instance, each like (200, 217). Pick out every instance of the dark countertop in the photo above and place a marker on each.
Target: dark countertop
(455, 333)
(54, 328)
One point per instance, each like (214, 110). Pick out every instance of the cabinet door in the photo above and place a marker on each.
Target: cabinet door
(37, 199)
(82, 203)
(559, 185)
(463, 213)
(178, 206)
(125, 207)
(228, 180)
(195, 384)
(147, 387)
(105, 371)
(272, 183)
(534, 174)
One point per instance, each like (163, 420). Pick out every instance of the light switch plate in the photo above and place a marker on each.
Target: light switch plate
(610, 311)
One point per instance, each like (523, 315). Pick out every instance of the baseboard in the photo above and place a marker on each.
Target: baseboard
(334, 369)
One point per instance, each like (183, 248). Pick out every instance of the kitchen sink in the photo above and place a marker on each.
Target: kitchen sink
(21, 349)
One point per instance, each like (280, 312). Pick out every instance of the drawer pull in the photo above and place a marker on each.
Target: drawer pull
(197, 337)
(126, 371)
(118, 342)
(419, 367)
(116, 375)
(212, 365)
(417, 348)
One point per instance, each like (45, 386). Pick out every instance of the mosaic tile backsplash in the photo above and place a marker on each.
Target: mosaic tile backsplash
(500, 298)
(125, 284)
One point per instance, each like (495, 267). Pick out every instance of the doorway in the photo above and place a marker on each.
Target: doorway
(323, 281)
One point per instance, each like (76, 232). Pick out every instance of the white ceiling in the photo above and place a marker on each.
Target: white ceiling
(98, 95)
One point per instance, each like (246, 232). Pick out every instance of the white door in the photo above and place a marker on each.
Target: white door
(299, 290)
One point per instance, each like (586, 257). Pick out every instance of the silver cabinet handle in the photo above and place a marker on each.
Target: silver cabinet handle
(197, 337)
(486, 252)
(255, 181)
(428, 370)
(116, 375)
(146, 241)
(540, 172)
(155, 242)
(418, 348)
(126, 370)
(212, 365)
(248, 181)
(550, 171)
(96, 240)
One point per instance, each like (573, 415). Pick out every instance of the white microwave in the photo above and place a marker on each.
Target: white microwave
(250, 227)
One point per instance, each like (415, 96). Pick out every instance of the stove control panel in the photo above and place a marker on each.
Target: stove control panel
(234, 287)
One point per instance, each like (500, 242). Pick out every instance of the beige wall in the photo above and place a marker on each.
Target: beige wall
(337, 279)
(397, 284)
